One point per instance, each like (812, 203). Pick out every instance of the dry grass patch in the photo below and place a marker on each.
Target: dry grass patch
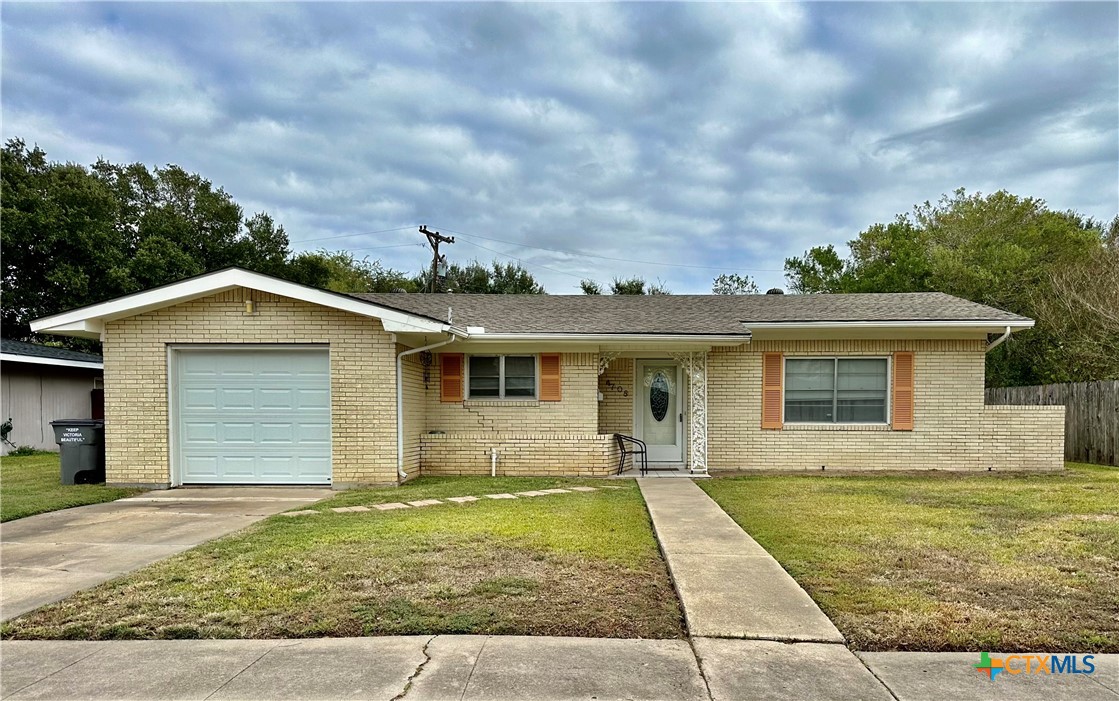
(580, 564)
(1008, 562)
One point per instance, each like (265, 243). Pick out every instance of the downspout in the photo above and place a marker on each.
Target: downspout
(400, 400)
(998, 341)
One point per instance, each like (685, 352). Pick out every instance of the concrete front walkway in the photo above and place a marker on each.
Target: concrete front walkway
(480, 668)
(730, 587)
(47, 557)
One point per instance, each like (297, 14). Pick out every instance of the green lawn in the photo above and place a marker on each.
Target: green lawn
(581, 564)
(31, 485)
(947, 561)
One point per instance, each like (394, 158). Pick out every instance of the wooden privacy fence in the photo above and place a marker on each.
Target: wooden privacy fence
(1091, 415)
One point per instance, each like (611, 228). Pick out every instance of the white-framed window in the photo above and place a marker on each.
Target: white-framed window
(501, 376)
(841, 390)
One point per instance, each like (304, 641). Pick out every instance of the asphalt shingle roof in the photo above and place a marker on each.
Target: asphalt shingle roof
(680, 314)
(39, 351)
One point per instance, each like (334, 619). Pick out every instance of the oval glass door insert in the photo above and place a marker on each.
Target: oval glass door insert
(658, 396)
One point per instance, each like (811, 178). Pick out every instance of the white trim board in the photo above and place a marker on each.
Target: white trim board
(37, 360)
(90, 321)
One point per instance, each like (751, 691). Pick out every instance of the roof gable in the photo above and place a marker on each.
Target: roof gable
(89, 321)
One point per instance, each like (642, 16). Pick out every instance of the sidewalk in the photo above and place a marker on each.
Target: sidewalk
(481, 668)
(729, 585)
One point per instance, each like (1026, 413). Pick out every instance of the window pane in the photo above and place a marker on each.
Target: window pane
(809, 390)
(520, 376)
(484, 376)
(520, 366)
(861, 391)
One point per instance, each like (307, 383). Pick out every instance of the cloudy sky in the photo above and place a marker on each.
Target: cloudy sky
(590, 140)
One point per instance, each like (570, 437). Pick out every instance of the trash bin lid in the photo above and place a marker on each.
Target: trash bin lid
(78, 422)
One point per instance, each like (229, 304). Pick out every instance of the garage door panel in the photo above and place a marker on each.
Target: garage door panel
(239, 433)
(200, 468)
(254, 416)
(196, 432)
(277, 433)
(312, 399)
(313, 434)
(233, 398)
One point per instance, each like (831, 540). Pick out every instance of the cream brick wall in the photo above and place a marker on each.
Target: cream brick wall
(520, 455)
(615, 412)
(576, 413)
(952, 427)
(362, 384)
(532, 437)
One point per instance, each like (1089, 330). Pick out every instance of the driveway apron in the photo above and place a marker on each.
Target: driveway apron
(50, 556)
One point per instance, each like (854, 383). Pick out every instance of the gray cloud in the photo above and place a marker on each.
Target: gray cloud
(728, 136)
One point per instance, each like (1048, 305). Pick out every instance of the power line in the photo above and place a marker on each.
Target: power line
(380, 248)
(362, 233)
(523, 262)
(620, 260)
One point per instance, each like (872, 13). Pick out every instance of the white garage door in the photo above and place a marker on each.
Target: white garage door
(254, 416)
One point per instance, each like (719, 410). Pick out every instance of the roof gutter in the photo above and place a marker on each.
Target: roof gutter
(455, 334)
(948, 324)
(998, 341)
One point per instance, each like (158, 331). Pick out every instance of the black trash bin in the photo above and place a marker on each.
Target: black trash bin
(82, 450)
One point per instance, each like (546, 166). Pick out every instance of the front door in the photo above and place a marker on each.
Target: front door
(659, 410)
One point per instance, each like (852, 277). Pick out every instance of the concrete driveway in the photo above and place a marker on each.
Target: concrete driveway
(48, 557)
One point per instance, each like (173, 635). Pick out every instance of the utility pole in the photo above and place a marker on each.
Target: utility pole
(434, 238)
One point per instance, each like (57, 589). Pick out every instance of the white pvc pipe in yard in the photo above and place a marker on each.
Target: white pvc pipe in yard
(493, 462)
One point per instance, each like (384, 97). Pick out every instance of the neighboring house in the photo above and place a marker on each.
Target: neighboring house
(39, 384)
(239, 378)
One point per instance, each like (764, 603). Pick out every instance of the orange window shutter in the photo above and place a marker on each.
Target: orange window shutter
(551, 389)
(902, 419)
(451, 377)
(771, 390)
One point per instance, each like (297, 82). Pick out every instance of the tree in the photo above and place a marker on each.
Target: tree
(590, 287)
(340, 271)
(60, 247)
(631, 286)
(734, 284)
(820, 269)
(73, 236)
(1001, 250)
(497, 278)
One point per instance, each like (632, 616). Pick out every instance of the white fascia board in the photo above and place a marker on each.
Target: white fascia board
(36, 360)
(77, 321)
(1016, 325)
(608, 337)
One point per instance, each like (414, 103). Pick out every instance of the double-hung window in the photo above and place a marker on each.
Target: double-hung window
(502, 376)
(836, 390)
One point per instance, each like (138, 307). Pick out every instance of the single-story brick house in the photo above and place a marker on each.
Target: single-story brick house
(234, 377)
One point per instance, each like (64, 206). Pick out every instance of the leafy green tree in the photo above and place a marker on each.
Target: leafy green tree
(345, 273)
(999, 249)
(496, 278)
(58, 238)
(820, 269)
(630, 286)
(734, 284)
(590, 287)
(73, 235)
